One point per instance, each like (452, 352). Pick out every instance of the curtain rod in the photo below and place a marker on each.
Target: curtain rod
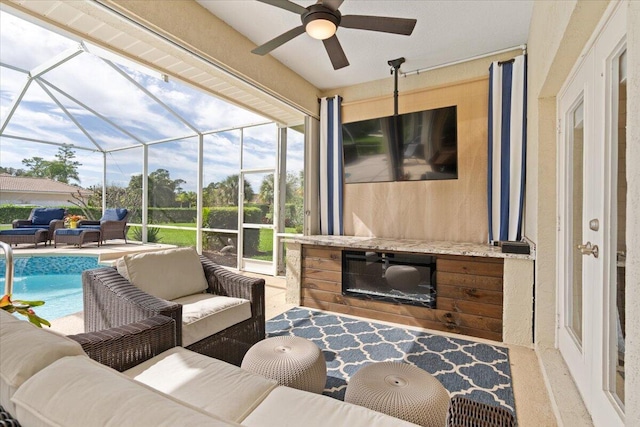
(448, 64)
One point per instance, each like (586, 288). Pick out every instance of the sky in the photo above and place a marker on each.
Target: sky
(88, 79)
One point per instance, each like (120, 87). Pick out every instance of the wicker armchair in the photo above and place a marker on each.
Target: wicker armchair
(110, 300)
(45, 218)
(126, 346)
(112, 225)
(464, 412)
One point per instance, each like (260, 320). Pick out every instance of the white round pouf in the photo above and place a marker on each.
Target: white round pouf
(292, 361)
(401, 390)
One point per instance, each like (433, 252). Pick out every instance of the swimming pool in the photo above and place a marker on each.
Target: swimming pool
(56, 280)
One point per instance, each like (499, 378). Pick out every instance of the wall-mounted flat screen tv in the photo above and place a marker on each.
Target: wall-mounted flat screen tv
(408, 147)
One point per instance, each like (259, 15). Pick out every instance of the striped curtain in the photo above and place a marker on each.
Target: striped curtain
(507, 148)
(331, 167)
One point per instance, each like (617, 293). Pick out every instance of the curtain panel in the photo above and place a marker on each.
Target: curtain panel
(331, 165)
(507, 148)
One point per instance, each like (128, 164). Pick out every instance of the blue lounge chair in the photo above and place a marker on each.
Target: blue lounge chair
(49, 219)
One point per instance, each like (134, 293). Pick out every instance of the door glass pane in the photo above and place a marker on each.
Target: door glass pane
(619, 209)
(576, 141)
(258, 244)
(294, 206)
(258, 198)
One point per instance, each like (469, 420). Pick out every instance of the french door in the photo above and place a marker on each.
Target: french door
(592, 216)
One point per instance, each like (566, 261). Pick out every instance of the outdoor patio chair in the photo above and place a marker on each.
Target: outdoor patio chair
(112, 225)
(49, 219)
(219, 313)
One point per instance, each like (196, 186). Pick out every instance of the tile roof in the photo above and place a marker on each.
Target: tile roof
(36, 185)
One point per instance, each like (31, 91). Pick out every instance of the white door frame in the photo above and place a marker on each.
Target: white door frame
(592, 79)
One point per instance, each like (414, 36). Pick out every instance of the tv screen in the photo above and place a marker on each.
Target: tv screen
(409, 147)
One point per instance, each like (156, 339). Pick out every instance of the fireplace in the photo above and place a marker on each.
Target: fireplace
(391, 277)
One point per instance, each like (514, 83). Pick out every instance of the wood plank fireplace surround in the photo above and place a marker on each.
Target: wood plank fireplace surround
(479, 291)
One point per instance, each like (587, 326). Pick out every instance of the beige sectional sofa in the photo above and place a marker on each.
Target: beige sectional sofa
(49, 380)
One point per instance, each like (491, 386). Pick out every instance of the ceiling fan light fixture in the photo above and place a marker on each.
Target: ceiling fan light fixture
(320, 22)
(321, 29)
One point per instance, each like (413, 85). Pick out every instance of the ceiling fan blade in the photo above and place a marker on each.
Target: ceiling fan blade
(336, 54)
(379, 23)
(286, 5)
(278, 41)
(332, 4)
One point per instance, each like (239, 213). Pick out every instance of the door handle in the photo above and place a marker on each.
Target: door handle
(588, 249)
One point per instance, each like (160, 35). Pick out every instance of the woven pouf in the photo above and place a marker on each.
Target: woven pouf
(292, 361)
(401, 390)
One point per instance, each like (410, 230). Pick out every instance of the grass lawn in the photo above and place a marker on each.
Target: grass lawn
(188, 238)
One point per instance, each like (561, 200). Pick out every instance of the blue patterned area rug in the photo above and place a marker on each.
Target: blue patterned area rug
(475, 370)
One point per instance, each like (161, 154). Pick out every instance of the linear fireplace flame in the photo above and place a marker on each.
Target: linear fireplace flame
(391, 277)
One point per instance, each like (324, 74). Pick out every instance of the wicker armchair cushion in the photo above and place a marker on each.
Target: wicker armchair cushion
(117, 214)
(213, 385)
(79, 392)
(43, 216)
(24, 351)
(168, 274)
(207, 314)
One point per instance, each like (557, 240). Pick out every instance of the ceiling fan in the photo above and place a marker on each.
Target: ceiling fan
(321, 20)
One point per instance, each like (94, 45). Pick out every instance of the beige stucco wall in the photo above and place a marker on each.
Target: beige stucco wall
(517, 319)
(559, 32)
(633, 218)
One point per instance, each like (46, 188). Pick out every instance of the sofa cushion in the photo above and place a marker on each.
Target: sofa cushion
(207, 314)
(43, 216)
(117, 214)
(209, 384)
(285, 404)
(77, 391)
(26, 349)
(168, 274)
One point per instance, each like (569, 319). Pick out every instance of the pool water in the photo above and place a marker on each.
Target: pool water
(56, 280)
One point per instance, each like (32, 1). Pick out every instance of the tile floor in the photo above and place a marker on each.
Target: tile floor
(533, 405)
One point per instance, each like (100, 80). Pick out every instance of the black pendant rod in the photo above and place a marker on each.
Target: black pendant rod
(397, 170)
(395, 66)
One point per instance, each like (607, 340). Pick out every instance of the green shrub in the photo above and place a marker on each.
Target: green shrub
(227, 218)
(222, 217)
(170, 215)
(264, 208)
(152, 234)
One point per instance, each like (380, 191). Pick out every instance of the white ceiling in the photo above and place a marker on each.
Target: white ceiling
(447, 31)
